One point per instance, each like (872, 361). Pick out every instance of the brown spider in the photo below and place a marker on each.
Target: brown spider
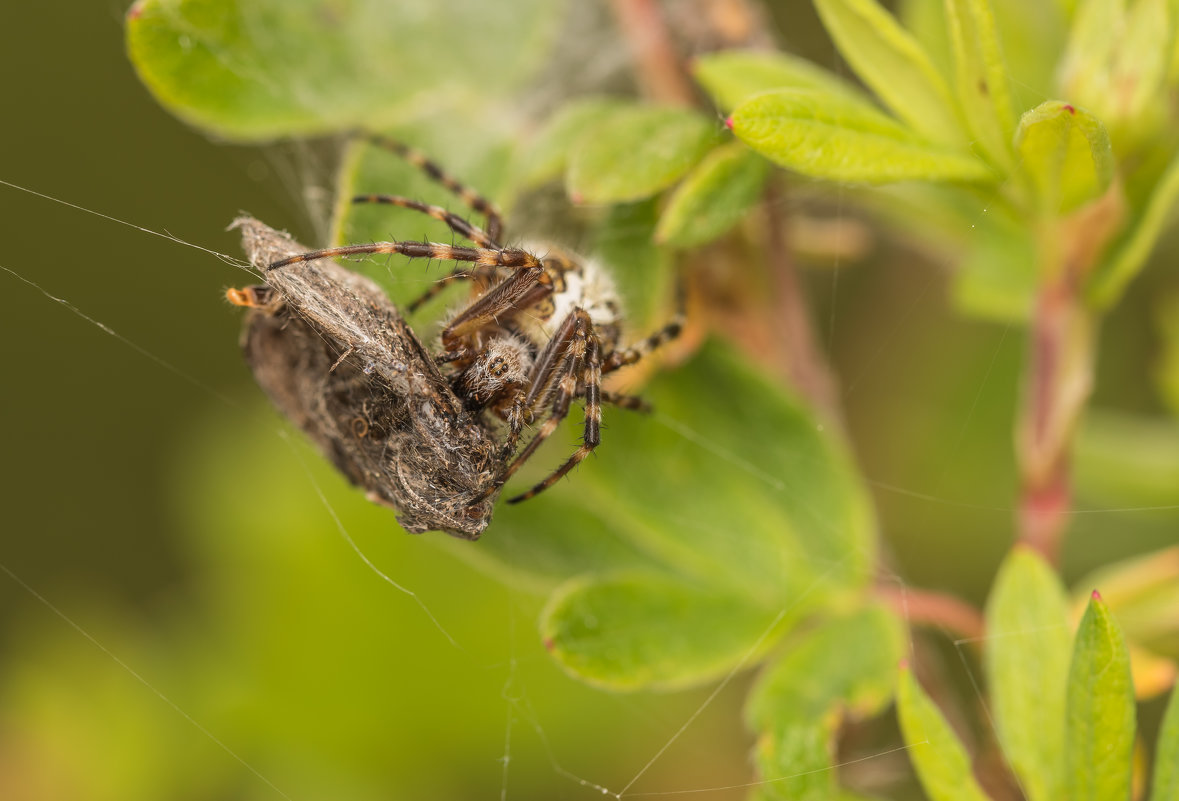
(539, 331)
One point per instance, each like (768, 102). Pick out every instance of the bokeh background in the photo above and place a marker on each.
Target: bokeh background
(180, 616)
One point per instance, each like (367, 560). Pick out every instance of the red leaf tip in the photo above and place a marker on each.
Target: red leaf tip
(1096, 596)
(729, 123)
(1069, 109)
(549, 644)
(135, 11)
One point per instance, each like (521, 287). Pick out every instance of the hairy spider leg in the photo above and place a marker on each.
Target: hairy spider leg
(582, 365)
(481, 257)
(524, 288)
(463, 228)
(456, 223)
(631, 402)
(418, 159)
(631, 355)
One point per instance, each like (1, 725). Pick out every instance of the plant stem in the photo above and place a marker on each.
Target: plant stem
(659, 68)
(1059, 372)
(1057, 384)
(938, 609)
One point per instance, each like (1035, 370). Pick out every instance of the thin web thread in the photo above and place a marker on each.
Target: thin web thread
(138, 677)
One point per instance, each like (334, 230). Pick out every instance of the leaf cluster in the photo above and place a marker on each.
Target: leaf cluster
(750, 549)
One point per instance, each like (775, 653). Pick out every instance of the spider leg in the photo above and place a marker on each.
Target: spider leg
(583, 365)
(481, 257)
(626, 401)
(456, 223)
(472, 198)
(526, 287)
(628, 356)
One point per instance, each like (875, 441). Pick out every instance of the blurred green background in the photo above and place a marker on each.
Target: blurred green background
(173, 519)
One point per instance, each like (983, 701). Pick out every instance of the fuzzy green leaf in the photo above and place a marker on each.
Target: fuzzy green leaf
(637, 151)
(1140, 66)
(272, 68)
(891, 62)
(1101, 712)
(1165, 784)
(1086, 66)
(733, 76)
(997, 277)
(754, 545)
(1131, 255)
(1144, 591)
(1027, 658)
(982, 77)
(714, 197)
(828, 137)
(940, 759)
(1066, 154)
(548, 153)
(847, 665)
(794, 761)
(647, 630)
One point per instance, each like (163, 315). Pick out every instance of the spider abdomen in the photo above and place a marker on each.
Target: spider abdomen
(577, 284)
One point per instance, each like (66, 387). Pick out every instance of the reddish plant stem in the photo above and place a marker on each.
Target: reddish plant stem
(1059, 374)
(658, 66)
(929, 608)
(1057, 383)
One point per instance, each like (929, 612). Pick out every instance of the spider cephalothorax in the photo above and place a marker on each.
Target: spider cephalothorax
(538, 332)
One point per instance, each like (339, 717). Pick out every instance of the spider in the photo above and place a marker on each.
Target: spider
(538, 333)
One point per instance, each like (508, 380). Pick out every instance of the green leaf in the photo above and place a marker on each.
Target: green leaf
(1066, 154)
(1086, 68)
(648, 630)
(1116, 272)
(846, 665)
(893, 65)
(794, 761)
(1027, 657)
(1033, 35)
(1101, 712)
(827, 137)
(714, 197)
(743, 529)
(1165, 784)
(548, 153)
(926, 22)
(1144, 591)
(1139, 69)
(998, 275)
(635, 152)
(733, 76)
(982, 77)
(270, 68)
(940, 759)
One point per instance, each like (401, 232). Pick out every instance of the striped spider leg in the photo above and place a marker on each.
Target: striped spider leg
(538, 333)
